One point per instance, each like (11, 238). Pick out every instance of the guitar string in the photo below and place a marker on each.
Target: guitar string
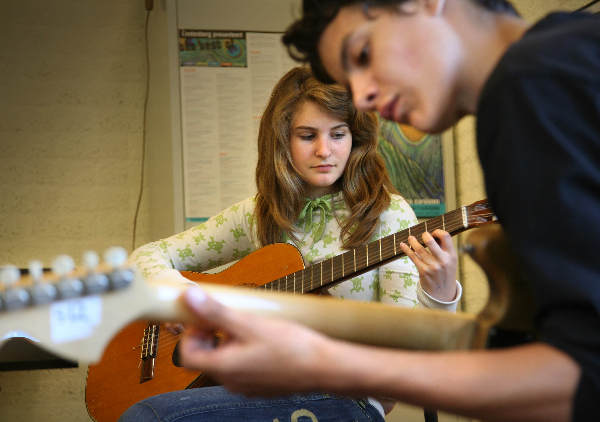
(307, 286)
(385, 246)
(165, 343)
(388, 251)
(385, 250)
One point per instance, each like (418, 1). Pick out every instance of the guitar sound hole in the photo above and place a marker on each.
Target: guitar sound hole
(175, 356)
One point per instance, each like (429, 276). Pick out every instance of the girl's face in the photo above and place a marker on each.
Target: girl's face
(320, 145)
(405, 64)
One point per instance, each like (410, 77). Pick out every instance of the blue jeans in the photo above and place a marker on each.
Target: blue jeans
(217, 404)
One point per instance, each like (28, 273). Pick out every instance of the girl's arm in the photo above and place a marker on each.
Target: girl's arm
(223, 238)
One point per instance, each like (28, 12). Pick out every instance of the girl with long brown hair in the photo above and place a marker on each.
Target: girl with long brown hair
(322, 187)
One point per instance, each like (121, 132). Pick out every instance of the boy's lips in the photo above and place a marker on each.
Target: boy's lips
(387, 112)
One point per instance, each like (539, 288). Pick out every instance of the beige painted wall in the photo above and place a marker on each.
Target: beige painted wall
(71, 95)
(72, 88)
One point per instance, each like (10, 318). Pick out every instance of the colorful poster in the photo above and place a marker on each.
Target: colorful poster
(212, 48)
(222, 101)
(415, 163)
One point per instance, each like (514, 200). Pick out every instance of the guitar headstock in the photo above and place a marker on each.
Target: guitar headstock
(480, 213)
(74, 312)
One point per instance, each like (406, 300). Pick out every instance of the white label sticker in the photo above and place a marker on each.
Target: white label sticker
(74, 319)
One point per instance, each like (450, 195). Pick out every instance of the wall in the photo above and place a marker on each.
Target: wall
(71, 98)
(72, 83)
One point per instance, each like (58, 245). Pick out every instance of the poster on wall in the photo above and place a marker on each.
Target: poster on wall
(415, 164)
(225, 80)
(212, 48)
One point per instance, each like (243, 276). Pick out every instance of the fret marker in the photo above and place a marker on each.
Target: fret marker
(332, 269)
(321, 272)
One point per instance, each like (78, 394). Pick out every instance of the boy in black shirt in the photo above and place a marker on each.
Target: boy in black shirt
(536, 94)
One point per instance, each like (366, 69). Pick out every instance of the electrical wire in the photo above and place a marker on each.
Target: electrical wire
(144, 120)
(588, 5)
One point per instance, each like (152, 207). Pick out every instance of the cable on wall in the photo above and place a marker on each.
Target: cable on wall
(144, 119)
(588, 7)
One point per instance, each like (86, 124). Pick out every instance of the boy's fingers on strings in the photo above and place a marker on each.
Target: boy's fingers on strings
(212, 315)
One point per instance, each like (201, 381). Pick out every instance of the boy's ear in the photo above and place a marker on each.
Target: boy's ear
(410, 7)
(435, 7)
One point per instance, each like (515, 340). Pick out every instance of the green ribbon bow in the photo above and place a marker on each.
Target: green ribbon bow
(323, 205)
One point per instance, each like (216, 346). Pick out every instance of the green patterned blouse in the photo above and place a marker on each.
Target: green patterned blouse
(231, 235)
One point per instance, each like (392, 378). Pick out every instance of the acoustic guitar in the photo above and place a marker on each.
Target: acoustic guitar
(74, 315)
(139, 362)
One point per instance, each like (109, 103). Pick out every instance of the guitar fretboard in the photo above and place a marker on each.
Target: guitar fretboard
(364, 258)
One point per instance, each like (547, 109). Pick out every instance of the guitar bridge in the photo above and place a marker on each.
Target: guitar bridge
(147, 370)
(148, 354)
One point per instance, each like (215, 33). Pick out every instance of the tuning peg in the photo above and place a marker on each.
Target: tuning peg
(63, 265)
(35, 271)
(68, 287)
(9, 275)
(120, 277)
(91, 260)
(13, 297)
(40, 292)
(115, 256)
(94, 282)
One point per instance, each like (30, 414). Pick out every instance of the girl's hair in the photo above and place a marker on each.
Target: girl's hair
(365, 182)
(302, 37)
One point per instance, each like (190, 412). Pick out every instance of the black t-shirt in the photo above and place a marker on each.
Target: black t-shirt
(538, 136)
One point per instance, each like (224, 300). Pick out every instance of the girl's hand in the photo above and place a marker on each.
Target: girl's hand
(436, 263)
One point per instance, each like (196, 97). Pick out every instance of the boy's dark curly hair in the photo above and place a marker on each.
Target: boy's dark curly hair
(302, 36)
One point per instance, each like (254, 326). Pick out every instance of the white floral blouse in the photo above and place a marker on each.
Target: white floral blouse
(231, 235)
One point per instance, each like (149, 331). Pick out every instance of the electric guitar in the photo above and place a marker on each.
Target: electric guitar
(139, 362)
(75, 313)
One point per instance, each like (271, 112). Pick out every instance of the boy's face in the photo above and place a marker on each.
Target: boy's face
(405, 64)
